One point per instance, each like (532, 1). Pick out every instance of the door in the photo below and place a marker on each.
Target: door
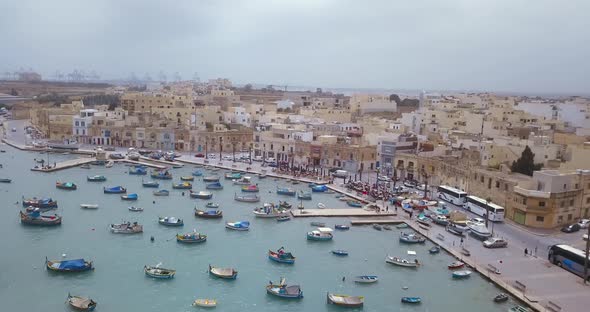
(519, 217)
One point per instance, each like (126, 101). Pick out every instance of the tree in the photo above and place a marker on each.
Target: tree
(395, 98)
(526, 163)
(248, 87)
(13, 92)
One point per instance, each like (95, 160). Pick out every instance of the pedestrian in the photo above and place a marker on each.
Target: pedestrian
(535, 250)
(461, 241)
(395, 208)
(526, 252)
(387, 208)
(411, 214)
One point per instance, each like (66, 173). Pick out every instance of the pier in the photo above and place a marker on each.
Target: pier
(376, 221)
(342, 212)
(65, 165)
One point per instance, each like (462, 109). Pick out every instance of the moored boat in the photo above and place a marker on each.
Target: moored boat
(214, 186)
(39, 203)
(377, 227)
(89, 206)
(211, 179)
(345, 300)
(135, 209)
(284, 291)
(66, 186)
(283, 218)
(319, 188)
(243, 181)
(366, 279)
(269, 211)
(434, 250)
(250, 188)
(340, 252)
(126, 228)
(232, 175)
(354, 203)
(81, 303)
(342, 227)
(238, 226)
(440, 220)
(74, 265)
(150, 184)
(162, 175)
(247, 198)
(461, 274)
(411, 238)
(318, 224)
(187, 178)
(413, 300)
(197, 173)
(182, 186)
(161, 193)
(285, 205)
(191, 238)
(401, 226)
(36, 218)
(201, 195)
(158, 272)
(205, 303)
(501, 297)
(212, 205)
(225, 273)
(132, 196)
(281, 256)
(320, 234)
(209, 214)
(456, 265)
(518, 309)
(402, 262)
(96, 178)
(285, 191)
(114, 190)
(85, 166)
(138, 170)
(170, 221)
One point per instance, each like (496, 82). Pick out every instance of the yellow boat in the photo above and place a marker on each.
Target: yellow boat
(206, 303)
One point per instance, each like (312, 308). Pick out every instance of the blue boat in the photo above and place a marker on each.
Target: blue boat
(340, 252)
(114, 190)
(319, 188)
(197, 173)
(342, 227)
(233, 176)
(283, 290)
(138, 171)
(285, 191)
(161, 193)
(76, 265)
(354, 203)
(170, 221)
(214, 186)
(411, 299)
(150, 184)
(96, 178)
(162, 175)
(132, 196)
(44, 203)
(238, 226)
(304, 195)
(281, 256)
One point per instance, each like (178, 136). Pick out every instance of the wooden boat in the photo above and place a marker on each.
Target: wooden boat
(212, 205)
(39, 203)
(243, 181)
(214, 186)
(127, 228)
(247, 198)
(225, 273)
(170, 221)
(140, 170)
(366, 279)
(197, 173)
(162, 175)
(340, 252)
(285, 191)
(182, 186)
(402, 262)
(377, 227)
(518, 309)
(387, 228)
(135, 209)
(66, 186)
(158, 272)
(74, 265)
(35, 218)
(283, 290)
(161, 193)
(411, 238)
(342, 227)
(238, 226)
(281, 256)
(285, 205)
(232, 175)
(96, 178)
(321, 234)
(354, 203)
(191, 238)
(434, 250)
(318, 224)
(150, 184)
(501, 297)
(269, 211)
(201, 195)
(114, 190)
(319, 188)
(250, 188)
(211, 179)
(132, 196)
(85, 166)
(440, 220)
(283, 218)
(413, 300)
(205, 303)
(345, 300)
(89, 206)
(456, 265)
(187, 178)
(461, 274)
(210, 214)
(81, 303)
(401, 226)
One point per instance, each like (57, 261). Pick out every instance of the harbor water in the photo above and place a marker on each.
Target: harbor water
(119, 284)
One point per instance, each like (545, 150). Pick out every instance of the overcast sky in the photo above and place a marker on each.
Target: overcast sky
(497, 45)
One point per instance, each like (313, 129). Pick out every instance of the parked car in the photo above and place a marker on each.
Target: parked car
(212, 156)
(495, 242)
(383, 178)
(199, 155)
(340, 173)
(571, 228)
(227, 157)
(109, 148)
(410, 183)
(584, 223)
(116, 156)
(478, 221)
(270, 160)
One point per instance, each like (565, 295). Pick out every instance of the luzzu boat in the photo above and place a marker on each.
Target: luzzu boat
(66, 186)
(132, 196)
(225, 273)
(191, 238)
(182, 186)
(36, 218)
(209, 214)
(75, 265)
(250, 188)
(321, 234)
(40, 203)
(201, 195)
(283, 290)
(214, 186)
(281, 256)
(269, 211)
(96, 178)
(114, 190)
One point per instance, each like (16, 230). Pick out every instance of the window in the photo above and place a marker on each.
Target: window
(562, 203)
(77, 123)
(571, 202)
(540, 219)
(588, 200)
(541, 204)
(570, 217)
(524, 201)
(497, 184)
(82, 123)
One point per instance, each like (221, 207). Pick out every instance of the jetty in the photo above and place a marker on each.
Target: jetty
(64, 165)
(340, 212)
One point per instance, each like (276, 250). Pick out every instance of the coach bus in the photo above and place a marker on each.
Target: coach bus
(569, 258)
(478, 206)
(451, 195)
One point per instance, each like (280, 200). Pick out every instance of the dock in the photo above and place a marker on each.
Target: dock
(343, 212)
(376, 221)
(135, 162)
(65, 165)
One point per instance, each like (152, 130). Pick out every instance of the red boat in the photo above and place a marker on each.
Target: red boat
(456, 265)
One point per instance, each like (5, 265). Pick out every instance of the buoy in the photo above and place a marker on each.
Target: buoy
(405, 287)
(153, 202)
(92, 229)
(152, 238)
(63, 255)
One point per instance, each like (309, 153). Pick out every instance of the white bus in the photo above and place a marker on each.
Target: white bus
(478, 206)
(568, 258)
(451, 195)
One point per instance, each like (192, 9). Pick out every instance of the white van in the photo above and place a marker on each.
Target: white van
(340, 174)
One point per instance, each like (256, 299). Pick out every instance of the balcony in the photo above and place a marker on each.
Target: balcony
(531, 193)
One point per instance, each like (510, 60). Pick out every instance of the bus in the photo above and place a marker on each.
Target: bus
(451, 195)
(568, 258)
(478, 206)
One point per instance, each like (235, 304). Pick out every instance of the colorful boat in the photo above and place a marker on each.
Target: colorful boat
(209, 214)
(158, 272)
(126, 228)
(132, 196)
(214, 186)
(81, 303)
(303, 195)
(250, 188)
(212, 205)
(411, 238)
(461, 274)
(96, 178)
(191, 238)
(40, 203)
(247, 198)
(161, 193)
(182, 186)
(138, 171)
(162, 175)
(366, 279)
(213, 178)
(205, 303)
(135, 209)
(187, 178)
(114, 190)
(402, 262)
(232, 175)
(238, 226)
(345, 300)
(354, 203)
(285, 191)
(170, 221)
(36, 218)
(66, 186)
(413, 300)
(150, 184)
(225, 273)
(281, 256)
(456, 265)
(75, 265)
(89, 206)
(283, 290)
(340, 252)
(342, 227)
(197, 173)
(321, 234)
(319, 188)
(269, 211)
(201, 195)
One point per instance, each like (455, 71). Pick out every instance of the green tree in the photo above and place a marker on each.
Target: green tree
(526, 163)
(248, 87)
(395, 98)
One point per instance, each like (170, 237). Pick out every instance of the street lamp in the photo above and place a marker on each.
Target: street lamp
(488, 211)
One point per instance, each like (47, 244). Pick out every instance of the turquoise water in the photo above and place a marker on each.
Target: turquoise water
(118, 282)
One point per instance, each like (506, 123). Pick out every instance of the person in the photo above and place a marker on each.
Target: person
(526, 252)
(411, 214)
(343, 278)
(461, 241)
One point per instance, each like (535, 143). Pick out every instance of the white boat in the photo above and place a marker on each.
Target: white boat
(136, 209)
(402, 262)
(270, 211)
(89, 206)
(109, 164)
(321, 206)
(479, 231)
(205, 303)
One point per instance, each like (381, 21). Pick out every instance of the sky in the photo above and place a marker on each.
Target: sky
(487, 45)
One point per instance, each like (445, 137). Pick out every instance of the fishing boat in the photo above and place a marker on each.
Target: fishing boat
(283, 290)
(518, 309)
(440, 220)
(285, 205)
(36, 218)
(456, 265)
(66, 186)
(197, 173)
(285, 191)
(321, 206)
(75, 265)
(247, 198)
(96, 178)
(413, 300)
(318, 224)
(250, 188)
(132, 196)
(238, 226)
(411, 238)
(457, 228)
(461, 274)
(243, 181)
(205, 303)
(366, 279)
(479, 231)
(139, 170)
(191, 238)
(377, 227)
(214, 186)
(401, 226)
(501, 297)
(182, 186)
(387, 228)
(434, 250)
(342, 227)
(201, 195)
(170, 221)
(423, 219)
(43, 203)
(5, 180)
(89, 206)
(281, 256)
(135, 209)
(209, 214)
(81, 303)
(354, 203)
(109, 164)
(211, 179)
(319, 188)
(114, 190)
(232, 175)
(127, 228)
(85, 166)
(283, 218)
(269, 211)
(340, 252)
(212, 205)
(187, 178)
(154, 184)
(158, 272)
(262, 176)
(161, 193)
(162, 175)
(402, 262)
(320, 234)
(225, 273)
(345, 300)
(304, 195)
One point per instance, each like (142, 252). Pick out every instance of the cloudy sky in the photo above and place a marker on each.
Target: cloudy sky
(496, 45)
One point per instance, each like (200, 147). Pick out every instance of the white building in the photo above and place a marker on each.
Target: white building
(81, 124)
(284, 104)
